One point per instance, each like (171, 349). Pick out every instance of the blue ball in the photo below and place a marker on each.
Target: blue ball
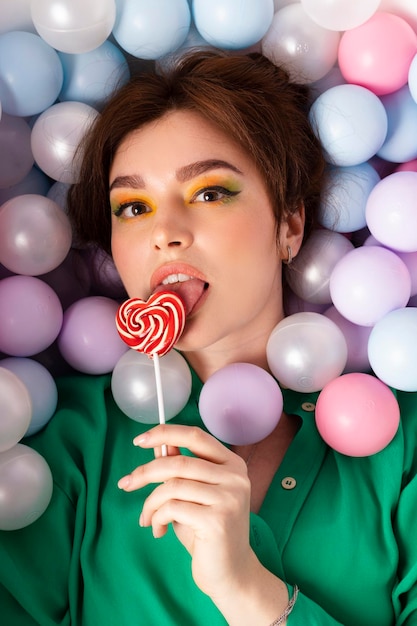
(400, 143)
(351, 123)
(343, 203)
(392, 349)
(41, 387)
(150, 30)
(233, 24)
(31, 74)
(91, 77)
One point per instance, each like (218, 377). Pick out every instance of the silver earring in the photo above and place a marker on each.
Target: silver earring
(289, 259)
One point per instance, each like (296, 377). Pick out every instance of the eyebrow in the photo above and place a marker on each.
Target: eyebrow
(183, 174)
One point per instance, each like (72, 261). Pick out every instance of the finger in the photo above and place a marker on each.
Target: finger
(195, 439)
(163, 469)
(187, 514)
(178, 489)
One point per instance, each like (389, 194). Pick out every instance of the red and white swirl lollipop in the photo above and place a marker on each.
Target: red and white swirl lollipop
(152, 327)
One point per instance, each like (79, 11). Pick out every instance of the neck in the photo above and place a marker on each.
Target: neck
(207, 361)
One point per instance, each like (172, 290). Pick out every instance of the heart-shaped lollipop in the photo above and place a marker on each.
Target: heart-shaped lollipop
(152, 327)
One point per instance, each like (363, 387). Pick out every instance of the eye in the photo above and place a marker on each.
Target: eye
(216, 193)
(131, 209)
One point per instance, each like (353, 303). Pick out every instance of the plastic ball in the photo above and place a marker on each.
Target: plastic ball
(408, 258)
(306, 351)
(25, 485)
(93, 76)
(391, 349)
(240, 404)
(391, 213)
(344, 197)
(35, 235)
(56, 135)
(30, 315)
(307, 50)
(232, 24)
(309, 274)
(403, 8)
(16, 16)
(377, 54)
(357, 415)
(34, 182)
(356, 340)
(401, 109)
(16, 409)
(149, 30)
(89, 340)
(73, 26)
(16, 159)
(410, 261)
(408, 166)
(368, 283)
(31, 74)
(340, 14)
(134, 388)
(351, 123)
(41, 387)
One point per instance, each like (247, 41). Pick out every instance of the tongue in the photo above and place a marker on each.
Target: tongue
(190, 291)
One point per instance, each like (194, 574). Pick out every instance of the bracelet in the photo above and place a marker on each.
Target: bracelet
(288, 609)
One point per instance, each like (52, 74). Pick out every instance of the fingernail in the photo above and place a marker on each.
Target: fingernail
(140, 439)
(124, 482)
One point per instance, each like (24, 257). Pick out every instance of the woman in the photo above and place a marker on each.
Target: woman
(205, 182)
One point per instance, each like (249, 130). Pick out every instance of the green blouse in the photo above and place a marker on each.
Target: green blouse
(343, 529)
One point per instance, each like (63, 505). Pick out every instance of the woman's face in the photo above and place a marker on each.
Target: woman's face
(190, 213)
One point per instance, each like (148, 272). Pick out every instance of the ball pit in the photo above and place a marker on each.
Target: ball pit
(365, 115)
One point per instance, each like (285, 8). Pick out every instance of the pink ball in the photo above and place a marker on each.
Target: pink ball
(30, 315)
(378, 54)
(357, 414)
(241, 404)
(408, 166)
(89, 340)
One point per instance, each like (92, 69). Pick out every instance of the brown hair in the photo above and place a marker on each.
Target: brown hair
(246, 96)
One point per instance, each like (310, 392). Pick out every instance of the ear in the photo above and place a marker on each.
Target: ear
(292, 232)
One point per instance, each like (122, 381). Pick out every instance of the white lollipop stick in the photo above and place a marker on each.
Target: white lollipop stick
(160, 396)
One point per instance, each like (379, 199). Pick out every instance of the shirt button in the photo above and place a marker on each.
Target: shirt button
(308, 406)
(288, 482)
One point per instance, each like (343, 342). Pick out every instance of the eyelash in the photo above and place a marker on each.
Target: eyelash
(215, 189)
(122, 208)
(218, 189)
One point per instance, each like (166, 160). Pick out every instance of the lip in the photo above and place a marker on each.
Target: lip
(174, 268)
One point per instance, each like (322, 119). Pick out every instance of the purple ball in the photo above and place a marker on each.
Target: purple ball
(368, 283)
(30, 315)
(89, 340)
(241, 404)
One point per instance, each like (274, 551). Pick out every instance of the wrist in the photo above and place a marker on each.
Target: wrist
(257, 597)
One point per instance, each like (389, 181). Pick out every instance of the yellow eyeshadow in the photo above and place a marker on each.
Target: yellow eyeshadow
(118, 200)
(208, 182)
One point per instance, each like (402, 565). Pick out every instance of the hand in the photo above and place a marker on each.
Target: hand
(207, 500)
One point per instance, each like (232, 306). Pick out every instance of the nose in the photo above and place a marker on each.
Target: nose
(172, 229)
